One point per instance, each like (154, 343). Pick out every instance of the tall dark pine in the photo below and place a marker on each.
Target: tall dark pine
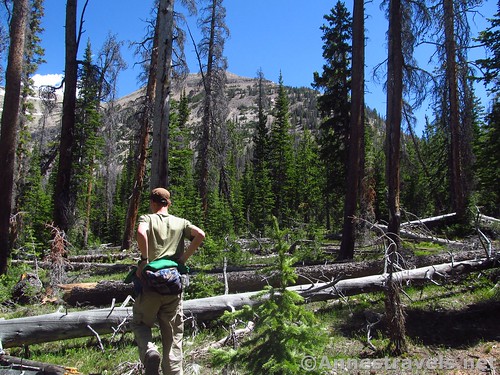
(262, 201)
(280, 158)
(354, 169)
(62, 191)
(334, 104)
(10, 116)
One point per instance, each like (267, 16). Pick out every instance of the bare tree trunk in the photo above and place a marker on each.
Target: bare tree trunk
(62, 191)
(10, 117)
(133, 206)
(396, 320)
(457, 189)
(88, 208)
(161, 112)
(355, 132)
(207, 120)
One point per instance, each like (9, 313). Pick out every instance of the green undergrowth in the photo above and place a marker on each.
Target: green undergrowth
(460, 308)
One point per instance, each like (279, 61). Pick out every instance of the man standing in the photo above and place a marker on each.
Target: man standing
(162, 235)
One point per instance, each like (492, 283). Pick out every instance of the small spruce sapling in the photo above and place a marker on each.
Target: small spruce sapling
(285, 331)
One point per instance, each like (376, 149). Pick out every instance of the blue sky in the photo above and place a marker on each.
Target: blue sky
(272, 35)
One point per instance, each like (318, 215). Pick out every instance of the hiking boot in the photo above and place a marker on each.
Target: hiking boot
(152, 362)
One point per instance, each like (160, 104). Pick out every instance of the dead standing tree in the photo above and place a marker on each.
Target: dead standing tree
(57, 257)
(161, 107)
(133, 206)
(395, 313)
(214, 32)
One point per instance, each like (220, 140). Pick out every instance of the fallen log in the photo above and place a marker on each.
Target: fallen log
(15, 365)
(65, 325)
(489, 220)
(96, 294)
(422, 237)
(427, 219)
(102, 293)
(98, 268)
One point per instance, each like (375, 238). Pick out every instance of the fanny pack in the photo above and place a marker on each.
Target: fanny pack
(162, 275)
(163, 281)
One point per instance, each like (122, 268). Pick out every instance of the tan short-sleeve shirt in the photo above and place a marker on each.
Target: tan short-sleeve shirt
(166, 234)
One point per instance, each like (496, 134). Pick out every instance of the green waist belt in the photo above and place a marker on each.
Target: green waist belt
(156, 265)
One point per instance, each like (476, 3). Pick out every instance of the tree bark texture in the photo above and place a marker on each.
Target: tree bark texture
(66, 325)
(456, 181)
(62, 190)
(395, 313)
(9, 123)
(394, 116)
(355, 132)
(161, 112)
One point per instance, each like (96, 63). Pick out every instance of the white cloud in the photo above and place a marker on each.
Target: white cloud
(47, 79)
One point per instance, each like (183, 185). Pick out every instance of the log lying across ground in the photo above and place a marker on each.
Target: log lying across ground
(102, 293)
(15, 365)
(65, 325)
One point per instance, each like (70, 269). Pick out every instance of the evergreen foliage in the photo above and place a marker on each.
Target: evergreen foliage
(283, 155)
(309, 180)
(285, 331)
(491, 39)
(334, 104)
(31, 202)
(487, 164)
(89, 143)
(281, 159)
(257, 180)
(35, 210)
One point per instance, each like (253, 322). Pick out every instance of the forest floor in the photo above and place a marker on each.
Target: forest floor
(452, 329)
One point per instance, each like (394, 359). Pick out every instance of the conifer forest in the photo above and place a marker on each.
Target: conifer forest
(248, 159)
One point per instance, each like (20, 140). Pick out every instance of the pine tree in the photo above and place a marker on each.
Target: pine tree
(393, 306)
(36, 206)
(259, 201)
(334, 104)
(27, 161)
(490, 38)
(182, 182)
(355, 160)
(161, 104)
(435, 150)
(309, 179)
(285, 331)
(487, 165)
(87, 140)
(455, 98)
(280, 158)
(33, 57)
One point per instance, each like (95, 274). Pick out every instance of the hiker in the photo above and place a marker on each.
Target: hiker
(160, 237)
